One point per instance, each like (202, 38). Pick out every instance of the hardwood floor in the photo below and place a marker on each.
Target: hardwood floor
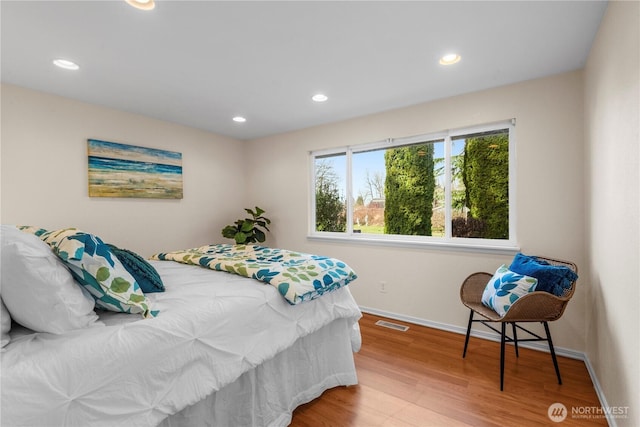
(419, 378)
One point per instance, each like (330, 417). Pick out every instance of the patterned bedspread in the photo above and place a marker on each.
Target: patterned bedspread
(297, 276)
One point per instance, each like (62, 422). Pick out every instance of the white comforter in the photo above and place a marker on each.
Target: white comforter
(212, 327)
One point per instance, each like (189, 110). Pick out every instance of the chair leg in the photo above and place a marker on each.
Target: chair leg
(553, 353)
(466, 340)
(515, 338)
(502, 340)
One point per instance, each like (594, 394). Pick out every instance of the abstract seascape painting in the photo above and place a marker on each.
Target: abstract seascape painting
(121, 170)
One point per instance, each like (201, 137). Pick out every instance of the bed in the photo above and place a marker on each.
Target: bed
(213, 349)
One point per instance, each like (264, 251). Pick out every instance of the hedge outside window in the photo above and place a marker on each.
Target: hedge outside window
(450, 187)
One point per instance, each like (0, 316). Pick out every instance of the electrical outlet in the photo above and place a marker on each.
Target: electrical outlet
(383, 287)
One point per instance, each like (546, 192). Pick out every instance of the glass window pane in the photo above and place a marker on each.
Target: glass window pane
(330, 188)
(395, 190)
(480, 185)
(368, 174)
(437, 217)
(410, 188)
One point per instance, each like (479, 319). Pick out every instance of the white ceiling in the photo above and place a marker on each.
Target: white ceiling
(200, 63)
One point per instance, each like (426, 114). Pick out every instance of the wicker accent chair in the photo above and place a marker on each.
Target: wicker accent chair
(534, 307)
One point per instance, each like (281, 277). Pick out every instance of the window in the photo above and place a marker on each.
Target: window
(454, 187)
(330, 200)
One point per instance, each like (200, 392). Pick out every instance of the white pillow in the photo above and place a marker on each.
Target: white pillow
(5, 325)
(37, 288)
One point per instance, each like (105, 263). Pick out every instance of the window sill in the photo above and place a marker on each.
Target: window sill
(484, 246)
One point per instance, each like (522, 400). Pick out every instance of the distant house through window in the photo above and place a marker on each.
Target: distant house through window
(452, 187)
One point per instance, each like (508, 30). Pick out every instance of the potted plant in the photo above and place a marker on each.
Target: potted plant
(248, 230)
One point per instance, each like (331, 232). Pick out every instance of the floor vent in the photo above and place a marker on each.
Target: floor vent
(390, 325)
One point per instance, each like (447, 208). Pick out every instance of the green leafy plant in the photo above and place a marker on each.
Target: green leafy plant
(248, 230)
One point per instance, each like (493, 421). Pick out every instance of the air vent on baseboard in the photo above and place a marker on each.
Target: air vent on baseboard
(391, 325)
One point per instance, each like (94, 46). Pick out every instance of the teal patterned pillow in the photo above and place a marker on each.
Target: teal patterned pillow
(505, 287)
(32, 230)
(144, 273)
(98, 270)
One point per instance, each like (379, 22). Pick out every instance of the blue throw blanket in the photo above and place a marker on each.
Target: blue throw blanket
(297, 276)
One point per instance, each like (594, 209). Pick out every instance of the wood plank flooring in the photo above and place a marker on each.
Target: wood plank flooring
(418, 378)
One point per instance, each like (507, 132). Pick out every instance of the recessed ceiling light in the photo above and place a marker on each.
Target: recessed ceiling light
(67, 65)
(319, 97)
(450, 58)
(142, 4)
(239, 119)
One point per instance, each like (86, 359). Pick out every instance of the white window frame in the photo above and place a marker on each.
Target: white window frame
(507, 246)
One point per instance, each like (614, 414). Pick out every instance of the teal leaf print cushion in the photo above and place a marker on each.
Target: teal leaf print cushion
(505, 288)
(98, 270)
(144, 273)
(32, 230)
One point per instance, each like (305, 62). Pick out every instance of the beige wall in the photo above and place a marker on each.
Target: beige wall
(612, 95)
(44, 174)
(424, 283)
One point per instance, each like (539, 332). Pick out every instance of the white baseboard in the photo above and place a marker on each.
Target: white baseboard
(601, 397)
(560, 351)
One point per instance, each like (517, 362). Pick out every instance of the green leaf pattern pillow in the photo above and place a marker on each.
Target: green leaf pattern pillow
(504, 289)
(97, 269)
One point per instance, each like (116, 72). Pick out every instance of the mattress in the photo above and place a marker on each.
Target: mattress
(213, 330)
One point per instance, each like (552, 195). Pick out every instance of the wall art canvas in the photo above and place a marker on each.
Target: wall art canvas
(121, 170)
